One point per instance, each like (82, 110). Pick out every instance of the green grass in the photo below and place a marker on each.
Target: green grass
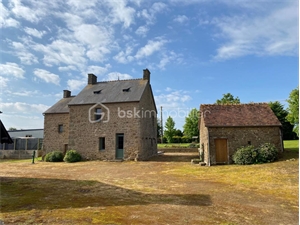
(174, 145)
(291, 144)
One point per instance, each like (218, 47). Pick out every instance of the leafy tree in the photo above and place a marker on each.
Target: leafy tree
(228, 99)
(170, 129)
(191, 128)
(12, 128)
(281, 114)
(178, 133)
(293, 109)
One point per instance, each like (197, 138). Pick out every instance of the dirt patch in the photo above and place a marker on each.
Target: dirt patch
(158, 191)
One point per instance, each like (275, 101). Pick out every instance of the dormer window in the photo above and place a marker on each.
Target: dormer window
(97, 92)
(126, 89)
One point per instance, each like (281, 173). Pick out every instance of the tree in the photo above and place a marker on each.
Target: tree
(170, 129)
(191, 128)
(228, 99)
(12, 128)
(293, 109)
(281, 114)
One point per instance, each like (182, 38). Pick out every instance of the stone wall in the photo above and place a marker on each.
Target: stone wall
(148, 128)
(53, 140)
(204, 138)
(84, 135)
(242, 136)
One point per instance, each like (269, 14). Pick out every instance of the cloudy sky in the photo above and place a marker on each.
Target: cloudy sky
(196, 50)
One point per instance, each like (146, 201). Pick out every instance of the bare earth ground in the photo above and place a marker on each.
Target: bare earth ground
(168, 189)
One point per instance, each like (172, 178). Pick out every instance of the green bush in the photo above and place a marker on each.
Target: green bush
(72, 156)
(55, 156)
(267, 153)
(250, 155)
(245, 155)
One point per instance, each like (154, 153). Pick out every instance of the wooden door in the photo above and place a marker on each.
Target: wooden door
(221, 150)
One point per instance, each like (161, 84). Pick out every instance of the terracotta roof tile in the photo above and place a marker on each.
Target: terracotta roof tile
(237, 115)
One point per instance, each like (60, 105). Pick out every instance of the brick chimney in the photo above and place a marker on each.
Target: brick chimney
(67, 93)
(92, 79)
(146, 75)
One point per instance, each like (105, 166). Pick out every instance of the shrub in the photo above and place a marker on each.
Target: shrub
(245, 155)
(72, 156)
(267, 153)
(55, 156)
(249, 154)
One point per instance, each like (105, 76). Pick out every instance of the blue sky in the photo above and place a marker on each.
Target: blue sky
(196, 50)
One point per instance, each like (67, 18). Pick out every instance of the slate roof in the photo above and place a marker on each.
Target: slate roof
(111, 92)
(239, 115)
(61, 106)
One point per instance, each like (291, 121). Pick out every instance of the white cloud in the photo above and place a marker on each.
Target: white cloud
(150, 14)
(120, 13)
(23, 53)
(47, 76)
(12, 69)
(181, 19)
(3, 82)
(150, 48)
(117, 75)
(142, 31)
(169, 57)
(273, 34)
(124, 56)
(174, 98)
(5, 19)
(98, 70)
(27, 13)
(23, 108)
(75, 85)
(62, 52)
(34, 32)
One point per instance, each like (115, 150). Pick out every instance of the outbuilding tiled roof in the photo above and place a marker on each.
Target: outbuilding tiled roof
(238, 115)
(111, 92)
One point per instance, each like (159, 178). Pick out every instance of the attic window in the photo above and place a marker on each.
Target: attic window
(97, 92)
(126, 89)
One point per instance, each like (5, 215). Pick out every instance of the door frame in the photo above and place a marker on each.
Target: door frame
(117, 145)
(227, 155)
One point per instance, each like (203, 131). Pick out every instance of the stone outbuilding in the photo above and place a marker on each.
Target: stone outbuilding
(224, 128)
(107, 120)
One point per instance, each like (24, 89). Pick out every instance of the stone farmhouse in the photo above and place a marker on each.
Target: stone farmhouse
(224, 128)
(107, 120)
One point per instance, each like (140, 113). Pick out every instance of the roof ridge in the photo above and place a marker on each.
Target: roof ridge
(119, 80)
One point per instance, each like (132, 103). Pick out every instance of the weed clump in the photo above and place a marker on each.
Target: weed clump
(250, 155)
(55, 156)
(72, 156)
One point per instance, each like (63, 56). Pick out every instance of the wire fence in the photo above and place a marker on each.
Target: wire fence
(23, 144)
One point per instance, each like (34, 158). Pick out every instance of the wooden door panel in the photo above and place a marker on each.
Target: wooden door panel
(221, 150)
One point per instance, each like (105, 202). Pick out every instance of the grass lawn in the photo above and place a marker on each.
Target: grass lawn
(164, 190)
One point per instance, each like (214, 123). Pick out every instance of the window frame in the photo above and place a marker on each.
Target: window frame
(60, 128)
(101, 146)
(98, 117)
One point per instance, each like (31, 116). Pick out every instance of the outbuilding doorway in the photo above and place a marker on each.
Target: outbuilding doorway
(221, 151)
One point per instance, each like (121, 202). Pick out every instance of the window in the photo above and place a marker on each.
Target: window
(60, 128)
(249, 142)
(102, 143)
(98, 113)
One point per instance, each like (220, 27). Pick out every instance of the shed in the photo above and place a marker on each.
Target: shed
(224, 128)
